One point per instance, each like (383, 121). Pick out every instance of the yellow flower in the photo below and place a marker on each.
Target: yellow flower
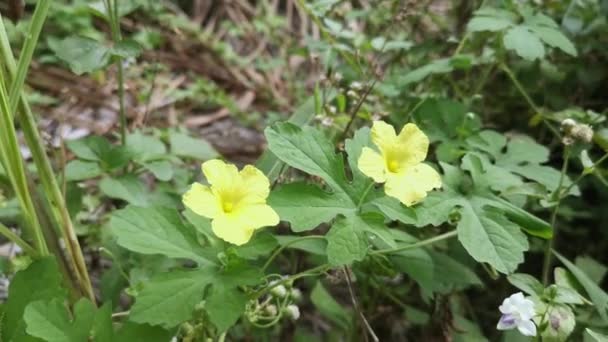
(235, 201)
(399, 164)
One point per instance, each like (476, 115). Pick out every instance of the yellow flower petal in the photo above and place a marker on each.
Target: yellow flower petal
(383, 135)
(372, 165)
(201, 200)
(230, 228)
(256, 185)
(258, 215)
(412, 185)
(238, 227)
(414, 143)
(221, 176)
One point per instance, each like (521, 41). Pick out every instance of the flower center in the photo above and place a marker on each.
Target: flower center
(393, 165)
(228, 207)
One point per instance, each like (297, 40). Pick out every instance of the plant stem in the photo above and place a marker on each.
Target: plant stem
(46, 174)
(419, 244)
(558, 197)
(16, 239)
(27, 52)
(114, 19)
(308, 273)
(582, 175)
(365, 193)
(12, 161)
(526, 96)
(282, 248)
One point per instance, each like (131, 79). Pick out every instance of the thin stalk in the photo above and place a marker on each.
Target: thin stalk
(114, 19)
(12, 161)
(582, 175)
(17, 240)
(365, 193)
(47, 175)
(307, 273)
(549, 245)
(527, 97)
(282, 248)
(422, 243)
(27, 52)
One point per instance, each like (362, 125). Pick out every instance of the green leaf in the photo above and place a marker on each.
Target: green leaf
(77, 170)
(156, 231)
(524, 43)
(126, 48)
(449, 275)
(595, 293)
(308, 150)
(345, 242)
(445, 120)
(303, 115)
(394, 210)
(329, 308)
(480, 23)
(316, 246)
(225, 306)
(260, 245)
(41, 280)
(183, 145)
(526, 283)
(95, 148)
(162, 169)
(439, 66)
(306, 206)
(597, 336)
(50, 320)
(127, 188)
(142, 332)
(83, 55)
(145, 147)
(554, 38)
(490, 237)
(169, 299)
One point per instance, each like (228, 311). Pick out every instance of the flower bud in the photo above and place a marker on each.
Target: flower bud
(560, 323)
(271, 310)
(279, 291)
(296, 294)
(356, 86)
(292, 311)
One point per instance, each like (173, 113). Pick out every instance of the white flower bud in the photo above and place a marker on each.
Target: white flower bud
(352, 94)
(568, 124)
(296, 294)
(327, 122)
(292, 311)
(332, 109)
(271, 310)
(279, 291)
(356, 85)
(582, 133)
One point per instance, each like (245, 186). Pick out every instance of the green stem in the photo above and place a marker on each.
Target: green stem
(46, 173)
(16, 239)
(114, 19)
(308, 273)
(419, 244)
(282, 248)
(364, 196)
(582, 175)
(519, 87)
(557, 196)
(526, 96)
(27, 52)
(12, 161)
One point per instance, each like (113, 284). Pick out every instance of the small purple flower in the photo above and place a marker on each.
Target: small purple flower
(517, 312)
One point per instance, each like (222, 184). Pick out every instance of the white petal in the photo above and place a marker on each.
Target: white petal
(506, 322)
(527, 328)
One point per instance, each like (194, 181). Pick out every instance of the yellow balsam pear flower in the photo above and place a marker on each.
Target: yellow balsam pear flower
(400, 162)
(235, 201)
